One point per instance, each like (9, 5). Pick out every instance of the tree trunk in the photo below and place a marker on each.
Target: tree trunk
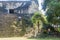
(38, 26)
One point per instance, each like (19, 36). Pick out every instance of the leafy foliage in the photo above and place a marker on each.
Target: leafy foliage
(53, 11)
(39, 16)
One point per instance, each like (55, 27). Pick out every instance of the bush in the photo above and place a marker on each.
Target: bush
(59, 29)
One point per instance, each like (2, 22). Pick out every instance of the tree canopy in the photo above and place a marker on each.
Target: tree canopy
(53, 10)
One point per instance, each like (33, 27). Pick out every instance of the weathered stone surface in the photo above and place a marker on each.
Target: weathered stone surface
(19, 6)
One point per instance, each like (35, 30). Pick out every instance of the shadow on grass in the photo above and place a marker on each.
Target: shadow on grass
(44, 38)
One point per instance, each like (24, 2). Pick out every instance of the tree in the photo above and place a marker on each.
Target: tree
(38, 19)
(53, 12)
(46, 3)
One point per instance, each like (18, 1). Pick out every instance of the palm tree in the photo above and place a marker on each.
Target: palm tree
(38, 19)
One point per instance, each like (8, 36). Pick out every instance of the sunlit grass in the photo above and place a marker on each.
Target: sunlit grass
(23, 38)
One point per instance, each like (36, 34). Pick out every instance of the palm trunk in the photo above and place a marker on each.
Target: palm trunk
(38, 26)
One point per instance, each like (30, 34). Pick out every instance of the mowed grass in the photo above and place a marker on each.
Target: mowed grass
(46, 39)
(19, 38)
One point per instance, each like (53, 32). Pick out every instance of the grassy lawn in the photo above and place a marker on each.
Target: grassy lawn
(46, 39)
(18, 38)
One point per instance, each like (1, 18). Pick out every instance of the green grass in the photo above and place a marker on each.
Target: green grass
(46, 39)
(20, 38)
